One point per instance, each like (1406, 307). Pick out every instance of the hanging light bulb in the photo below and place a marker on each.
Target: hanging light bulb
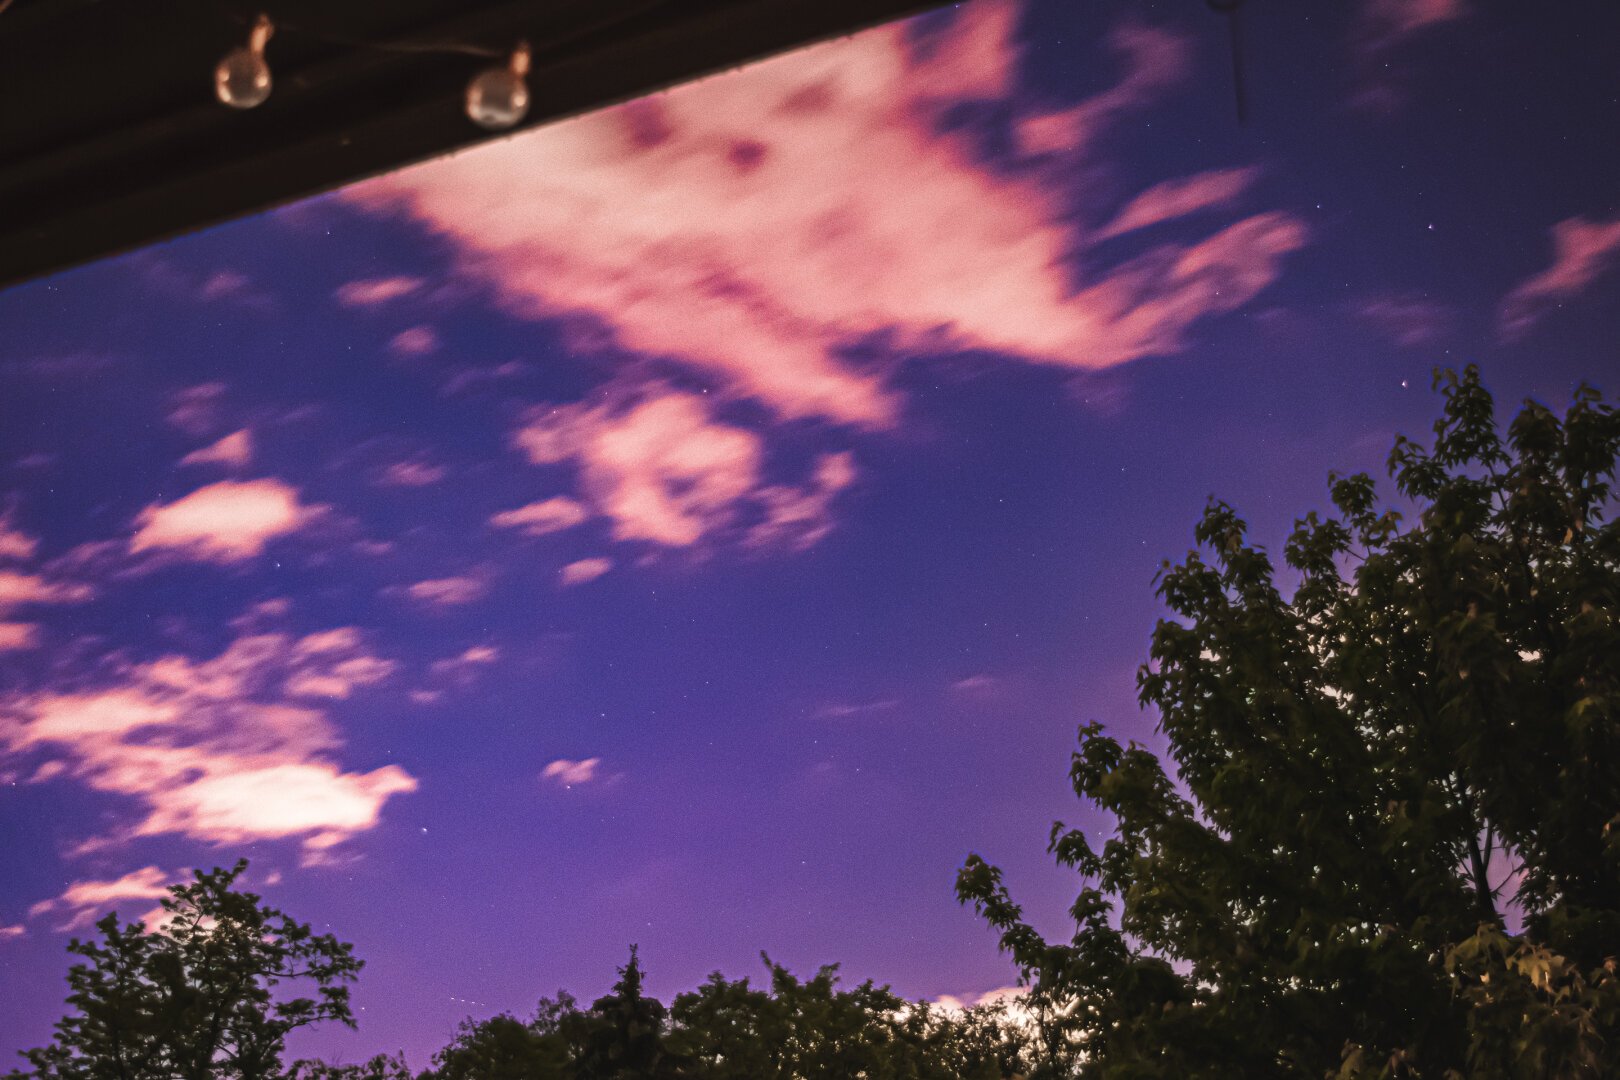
(498, 97)
(242, 79)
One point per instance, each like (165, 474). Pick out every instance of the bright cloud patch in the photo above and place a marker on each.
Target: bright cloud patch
(85, 901)
(1178, 198)
(18, 635)
(546, 516)
(14, 543)
(226, 750)
(583, 570)
(22, 588)
(464, 667)
(751, 225)
(230, 521)
(372, 291)
(1582, 250)
(568, 773)
(447, 592)
(666, 472)
(234, 451)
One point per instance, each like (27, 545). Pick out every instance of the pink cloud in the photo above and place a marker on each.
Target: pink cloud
(464, 666)
(225, 285)
(1582, 250)
(1389, 22)
(85, 901)
(1407, 320)
(14, 543)
(568, 773)
(223, 749)
(18, 635)
(1382, 26)
(195, 410)
(230, 521)
(1178, 198)
(663, 470)
(373, 291)
(413, 473)
(415, 341)
(448, 591)
(17, 589)
(844, 710)
(543, 517)
(751, 225)
(584, 570)
(8, 933)
(798, 518)
(234, 451)
(23, 588)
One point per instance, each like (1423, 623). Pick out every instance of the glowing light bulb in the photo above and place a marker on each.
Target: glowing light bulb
(498, 97)
(242, 79)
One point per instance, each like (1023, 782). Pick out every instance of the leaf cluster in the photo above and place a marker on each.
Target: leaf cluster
(1369, 779)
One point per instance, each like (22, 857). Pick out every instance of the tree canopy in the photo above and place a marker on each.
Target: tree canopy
(1382, 840)
(1387, 838)
(203, 995)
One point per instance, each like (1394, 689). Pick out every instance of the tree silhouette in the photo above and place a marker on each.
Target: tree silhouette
(1376, 779)
(202, 996)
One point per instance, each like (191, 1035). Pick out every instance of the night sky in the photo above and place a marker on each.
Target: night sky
(703, 523)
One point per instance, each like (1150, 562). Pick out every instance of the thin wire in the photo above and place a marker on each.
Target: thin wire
(407, 46)
(329, 38)
(1230, 9)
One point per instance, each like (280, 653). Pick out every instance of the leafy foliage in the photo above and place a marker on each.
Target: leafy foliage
(199, 998)
(1375, 779)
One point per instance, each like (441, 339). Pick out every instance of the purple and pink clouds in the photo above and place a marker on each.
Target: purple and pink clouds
(702, 522)
(752, 226)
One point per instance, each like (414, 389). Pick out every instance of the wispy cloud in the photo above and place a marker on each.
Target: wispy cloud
(233, 451)
(665, 471)
(230, 521)
(14, 543)
(1173, 199)
(415, 472)
(85, 901)
(583, 570)
(845, 710)
(545, 516)
(414, 341)
(21, 586)
(196, 410)
(568, 773)
(1383, 28)
(1407, 319)
(227, 750)
(465, 665)
(1385, 23)
(369, 292)
(799, 517)
(1582, 250)
(447, 591)
(222, 285)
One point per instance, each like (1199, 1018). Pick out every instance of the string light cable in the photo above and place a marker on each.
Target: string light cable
(496, 97)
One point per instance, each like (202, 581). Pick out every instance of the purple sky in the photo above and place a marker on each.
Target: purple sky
(703, 523)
